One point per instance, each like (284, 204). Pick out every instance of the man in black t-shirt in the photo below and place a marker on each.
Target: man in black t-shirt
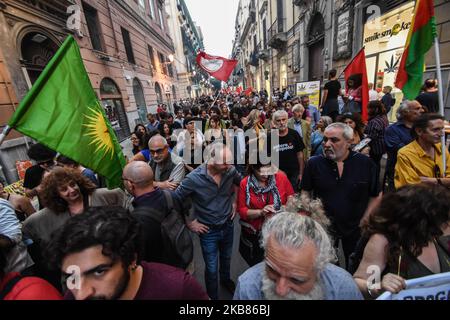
(290, 148)
(429, 98)
(331, 91)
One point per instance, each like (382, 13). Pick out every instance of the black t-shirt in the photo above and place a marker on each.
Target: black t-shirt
(33, 176)
(429, 100)
(333, 88)
(287, 148)
(345, 198)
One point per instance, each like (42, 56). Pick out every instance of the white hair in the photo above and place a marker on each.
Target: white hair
(158, 138)
(298, 107)
(279, 113)
(347, 131)
(402, 109)
(293, 230)
(313, 208)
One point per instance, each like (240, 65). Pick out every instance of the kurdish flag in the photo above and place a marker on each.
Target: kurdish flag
(62, 112)
(420, 39)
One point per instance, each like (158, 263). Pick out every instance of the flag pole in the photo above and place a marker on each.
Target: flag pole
(217, 97)
(441, 101)
(4, 133)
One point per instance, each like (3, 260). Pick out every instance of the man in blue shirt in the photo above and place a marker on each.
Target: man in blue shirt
(211, 187)
(399, 135)
(153, 123)
(312, 111)
(298, 264)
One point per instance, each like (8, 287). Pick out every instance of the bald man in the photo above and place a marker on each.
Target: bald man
(138, 180)
(167, 167)
(212, 187)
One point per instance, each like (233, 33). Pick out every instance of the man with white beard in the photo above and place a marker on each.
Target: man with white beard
(297, 264)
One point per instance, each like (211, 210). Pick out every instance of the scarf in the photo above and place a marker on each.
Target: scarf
(260, 191)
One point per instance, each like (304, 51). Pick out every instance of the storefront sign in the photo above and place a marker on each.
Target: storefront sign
(384, 41)
(310, 88)
(395, 30)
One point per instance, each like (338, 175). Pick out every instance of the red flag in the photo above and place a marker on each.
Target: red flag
(218, 67)
(239, 90)
(248, 91)
(358, 66)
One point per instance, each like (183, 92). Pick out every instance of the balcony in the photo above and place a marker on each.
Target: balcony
(253, 59)
(277, 34)
(263, 51)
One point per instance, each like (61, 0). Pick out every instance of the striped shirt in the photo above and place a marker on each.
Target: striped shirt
(375, 131)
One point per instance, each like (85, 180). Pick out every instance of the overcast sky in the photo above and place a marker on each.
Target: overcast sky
(216, 19)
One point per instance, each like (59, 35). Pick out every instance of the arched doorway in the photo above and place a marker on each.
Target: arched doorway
(316, 36)
(112, 102)
(36, 50)
(140, 100)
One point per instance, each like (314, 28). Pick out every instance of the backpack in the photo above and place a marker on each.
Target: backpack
(178, 248)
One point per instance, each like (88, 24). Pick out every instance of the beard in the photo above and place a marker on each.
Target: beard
(329, 154)
(118, 291)
(268, 289)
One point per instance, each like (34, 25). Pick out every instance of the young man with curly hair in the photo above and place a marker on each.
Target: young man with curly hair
(97, 252)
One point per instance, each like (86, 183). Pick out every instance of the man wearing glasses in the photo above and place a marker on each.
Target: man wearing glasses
(421, 160)
(167, 167)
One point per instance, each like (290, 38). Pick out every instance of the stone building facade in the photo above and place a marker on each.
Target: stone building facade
(301, 40)
(125, 46)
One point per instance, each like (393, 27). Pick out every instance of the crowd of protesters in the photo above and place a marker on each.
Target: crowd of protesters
(205, 165)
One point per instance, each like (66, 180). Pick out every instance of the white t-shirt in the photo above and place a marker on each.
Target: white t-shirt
(373, 95)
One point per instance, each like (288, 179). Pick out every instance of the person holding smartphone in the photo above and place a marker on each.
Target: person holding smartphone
(261, 194)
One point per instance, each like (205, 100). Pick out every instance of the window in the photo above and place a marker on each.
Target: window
(127, 44)
(151, 8)
(112, 103)
(162, 63)
(159, 96)
(140, 100)
(170, 68)
(264, 30)
(152, 59)
(93, 26)
(161, 20)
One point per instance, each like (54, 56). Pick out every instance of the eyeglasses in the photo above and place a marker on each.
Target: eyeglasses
(157, 151)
